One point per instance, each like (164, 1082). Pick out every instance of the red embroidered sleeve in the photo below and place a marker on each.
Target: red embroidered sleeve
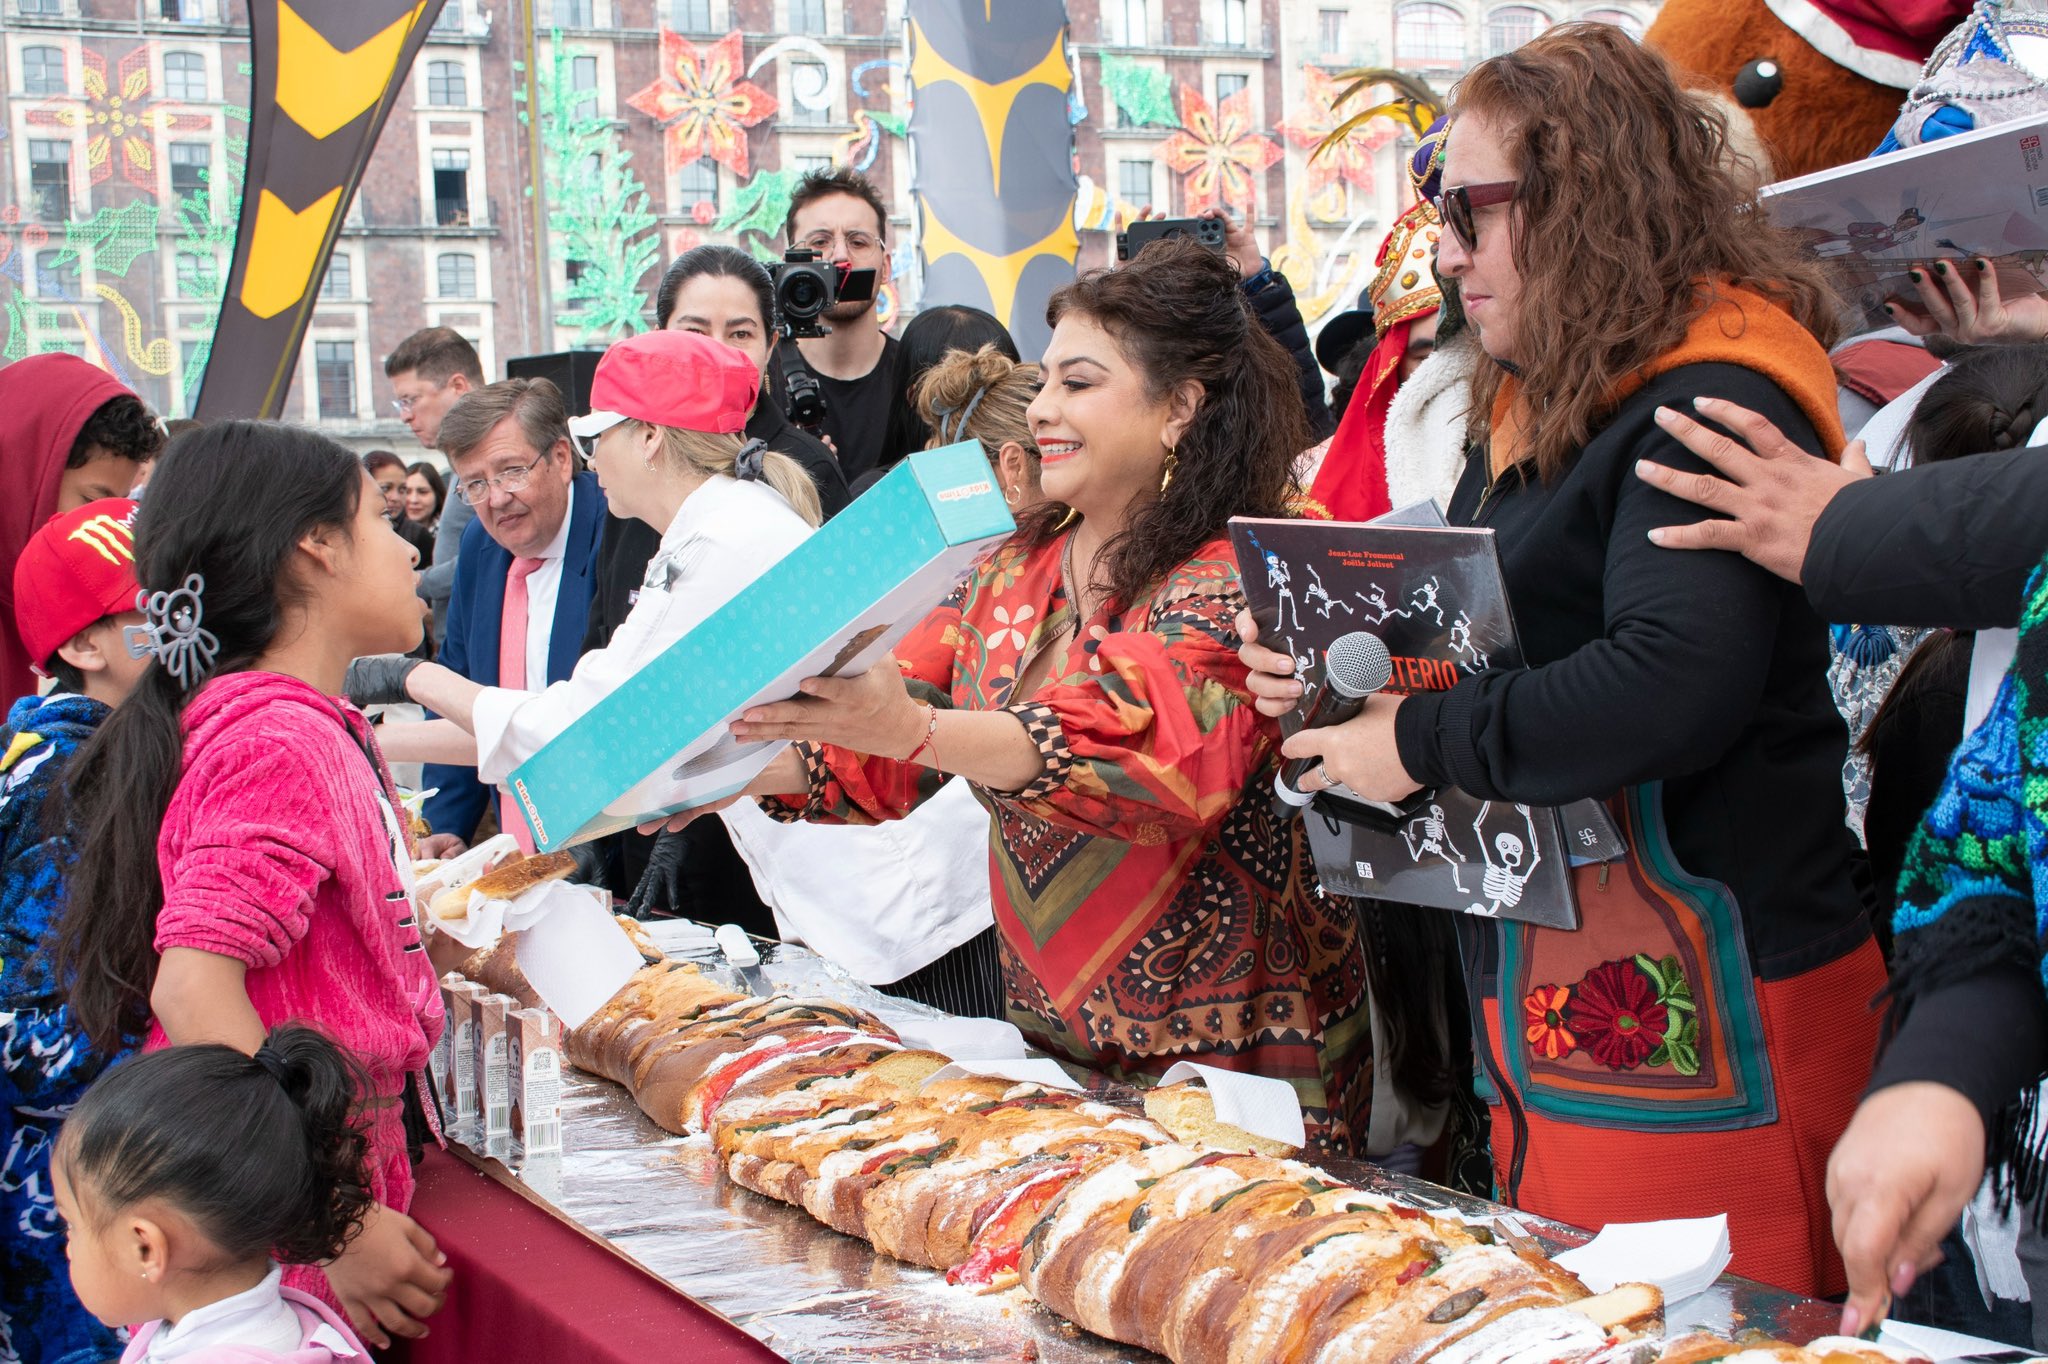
(1161, 742)
(845, 787)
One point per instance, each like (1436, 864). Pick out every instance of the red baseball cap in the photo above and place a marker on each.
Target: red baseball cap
(680, 379)
(78, 569)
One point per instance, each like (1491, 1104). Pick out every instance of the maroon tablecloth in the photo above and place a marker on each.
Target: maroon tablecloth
(529, 1286)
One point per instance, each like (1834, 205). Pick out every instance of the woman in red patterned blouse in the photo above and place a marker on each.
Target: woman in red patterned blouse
(1085, 681)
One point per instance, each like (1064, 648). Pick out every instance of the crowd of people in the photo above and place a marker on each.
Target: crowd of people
(1054, 804)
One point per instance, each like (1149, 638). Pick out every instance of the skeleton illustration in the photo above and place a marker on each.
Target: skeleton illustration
(1461, 643)
(1507, 874)
(1319, 597)
(1425, 603)
(1278, 576)
(1430, 834)
(1377, 600)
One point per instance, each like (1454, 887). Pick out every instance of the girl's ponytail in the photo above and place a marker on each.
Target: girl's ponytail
(264, 1153)
(225, 513)
(323, 1082)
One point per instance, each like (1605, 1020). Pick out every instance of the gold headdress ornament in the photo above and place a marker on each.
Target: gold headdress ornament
(1405, 284)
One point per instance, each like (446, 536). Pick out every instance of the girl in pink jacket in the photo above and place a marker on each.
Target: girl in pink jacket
(182, 1172)
(243, 861)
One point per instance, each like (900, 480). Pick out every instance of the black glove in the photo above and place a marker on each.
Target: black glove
(590, 863)
(661, 886)
(379, 679)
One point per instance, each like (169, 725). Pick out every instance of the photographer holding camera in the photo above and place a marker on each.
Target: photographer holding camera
(838, 215)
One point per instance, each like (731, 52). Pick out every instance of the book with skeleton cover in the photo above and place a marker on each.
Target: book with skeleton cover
(1434, 596)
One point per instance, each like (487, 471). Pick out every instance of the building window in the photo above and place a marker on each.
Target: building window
(1620, 18)
(42, 71)
(194, 274)
(1429, 35)
(447, 83)
(183, 11)
(184, 76)
(1134, 28)
(1236, 23)
(806, 16)
(1330, 30)
(810, 90)
(697, 183)
(57, 274)
(336, 283)
(1510, 26)
(1228, 84)
(39, 6)
(1134, 183)
(334, 374)
(805, 165)
(583, 80)
(456, 272)
(49, 179)
(189, 162)
(449, 20)
(693, 16)
(451, 187)
(574, 14)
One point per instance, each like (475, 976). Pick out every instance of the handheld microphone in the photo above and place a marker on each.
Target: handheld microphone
(1354, 667)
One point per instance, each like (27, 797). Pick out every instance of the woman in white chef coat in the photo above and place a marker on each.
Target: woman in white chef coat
(663, 439)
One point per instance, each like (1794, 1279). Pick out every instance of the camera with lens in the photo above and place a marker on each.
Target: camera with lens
(805, 287)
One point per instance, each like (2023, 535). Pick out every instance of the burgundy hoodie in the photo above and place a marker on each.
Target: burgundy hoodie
(45, 402)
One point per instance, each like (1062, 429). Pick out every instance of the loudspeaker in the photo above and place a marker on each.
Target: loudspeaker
(569, 370)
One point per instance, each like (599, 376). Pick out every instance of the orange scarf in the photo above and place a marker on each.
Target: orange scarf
(1739, 327)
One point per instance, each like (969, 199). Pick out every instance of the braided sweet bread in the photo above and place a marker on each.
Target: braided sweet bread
(1205, 1257)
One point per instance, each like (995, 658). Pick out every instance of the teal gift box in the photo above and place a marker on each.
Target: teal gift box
(834, 605)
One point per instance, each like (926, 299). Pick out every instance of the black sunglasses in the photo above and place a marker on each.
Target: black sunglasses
(1456, 205)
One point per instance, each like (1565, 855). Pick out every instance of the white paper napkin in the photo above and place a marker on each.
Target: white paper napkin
(573, 953)
(1682, 1257)
(1029, 1070)
(1257, 1103)
(965, 1039)
(1926, 1342)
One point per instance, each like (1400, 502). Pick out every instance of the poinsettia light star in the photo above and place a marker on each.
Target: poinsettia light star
(703, 101)
(1216, 151)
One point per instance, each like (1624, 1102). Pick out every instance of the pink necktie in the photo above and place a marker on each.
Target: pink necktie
(512, 675)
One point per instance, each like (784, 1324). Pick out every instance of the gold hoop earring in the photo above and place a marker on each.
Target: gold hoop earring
(1172, 463)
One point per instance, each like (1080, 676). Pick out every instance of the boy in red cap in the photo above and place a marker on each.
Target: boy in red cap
(74, 592)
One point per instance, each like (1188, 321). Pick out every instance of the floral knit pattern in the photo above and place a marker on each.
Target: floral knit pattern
(1986, 835)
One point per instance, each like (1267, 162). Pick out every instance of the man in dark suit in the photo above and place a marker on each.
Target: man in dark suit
(527, 570)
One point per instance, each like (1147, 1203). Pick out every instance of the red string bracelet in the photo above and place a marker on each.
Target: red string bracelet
(931, 729)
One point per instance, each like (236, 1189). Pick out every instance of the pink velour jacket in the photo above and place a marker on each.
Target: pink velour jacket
(280, 850)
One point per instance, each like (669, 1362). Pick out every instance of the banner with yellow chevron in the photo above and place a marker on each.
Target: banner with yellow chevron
(993, 157)
(326, 73)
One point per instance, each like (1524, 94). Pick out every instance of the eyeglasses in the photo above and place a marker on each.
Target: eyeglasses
(857, 243)
(512, 480)
(1456, 205)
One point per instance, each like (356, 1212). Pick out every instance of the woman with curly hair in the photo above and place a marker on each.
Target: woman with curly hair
(1699, 1043)
(1085, 681)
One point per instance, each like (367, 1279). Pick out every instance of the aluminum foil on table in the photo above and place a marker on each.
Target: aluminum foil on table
(812, 1294)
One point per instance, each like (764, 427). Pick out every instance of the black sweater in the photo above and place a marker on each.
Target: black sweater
(1948, 544)
(1698, 670)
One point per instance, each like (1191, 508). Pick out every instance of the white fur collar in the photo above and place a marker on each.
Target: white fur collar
(1425, 437)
